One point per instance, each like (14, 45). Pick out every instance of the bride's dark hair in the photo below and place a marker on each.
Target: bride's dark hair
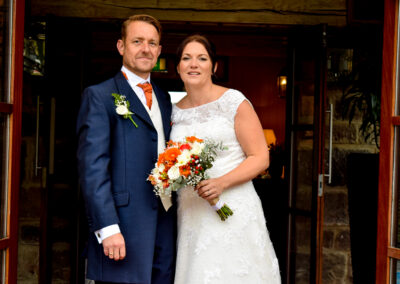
(208, 45)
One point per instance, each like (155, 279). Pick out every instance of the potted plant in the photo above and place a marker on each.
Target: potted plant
(361, 97)
(361, 94)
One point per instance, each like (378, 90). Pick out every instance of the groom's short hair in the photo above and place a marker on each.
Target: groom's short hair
(142, 18)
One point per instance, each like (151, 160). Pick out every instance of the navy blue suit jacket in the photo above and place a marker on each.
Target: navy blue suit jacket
(114, 160)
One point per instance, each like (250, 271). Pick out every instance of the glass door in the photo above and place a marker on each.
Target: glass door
(11, 46)
(305, 131)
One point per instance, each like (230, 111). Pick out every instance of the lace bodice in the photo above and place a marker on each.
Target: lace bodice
(214, 120)
(211, 251)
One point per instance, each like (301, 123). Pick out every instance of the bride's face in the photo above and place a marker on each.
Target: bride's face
(195, 66)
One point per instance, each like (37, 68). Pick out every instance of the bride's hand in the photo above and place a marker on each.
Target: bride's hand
(210, 189)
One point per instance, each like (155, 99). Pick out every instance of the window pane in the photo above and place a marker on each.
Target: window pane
(5, 49)
(3, 170)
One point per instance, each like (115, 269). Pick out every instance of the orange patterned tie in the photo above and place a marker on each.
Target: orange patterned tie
(148, 92)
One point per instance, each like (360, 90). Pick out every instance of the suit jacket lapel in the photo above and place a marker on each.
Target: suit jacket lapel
(163, 105)
(136, 105)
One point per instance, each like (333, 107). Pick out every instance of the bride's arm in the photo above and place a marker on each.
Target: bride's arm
(251, 138)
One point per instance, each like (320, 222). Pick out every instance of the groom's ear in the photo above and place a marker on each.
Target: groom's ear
(120, 46)
(159, 50)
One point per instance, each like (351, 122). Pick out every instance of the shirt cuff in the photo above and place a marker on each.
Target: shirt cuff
(106, 232)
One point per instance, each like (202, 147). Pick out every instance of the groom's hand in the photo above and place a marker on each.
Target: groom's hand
(114, 247)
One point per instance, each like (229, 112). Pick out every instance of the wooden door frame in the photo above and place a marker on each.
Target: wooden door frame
(17, 71)
(317, 207)
(388, 121)
(14, 109)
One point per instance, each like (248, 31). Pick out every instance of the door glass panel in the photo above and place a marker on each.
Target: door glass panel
(303, 163)
(5, 49)
(303, 169)
(305, 110)
(3, 178)
(302, 248)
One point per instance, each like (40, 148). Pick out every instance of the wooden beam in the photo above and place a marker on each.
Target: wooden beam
(235, 11)
(393, 253)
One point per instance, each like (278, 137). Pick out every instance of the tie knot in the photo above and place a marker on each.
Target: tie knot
(146, 87)
(148, 92)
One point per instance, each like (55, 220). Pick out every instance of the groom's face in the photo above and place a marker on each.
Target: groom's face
(140, 48)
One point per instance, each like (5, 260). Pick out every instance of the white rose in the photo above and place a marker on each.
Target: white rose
(197, 148)
(173, 172)
(161, 168)
(156, 173)
(122, 110)
(184, 157)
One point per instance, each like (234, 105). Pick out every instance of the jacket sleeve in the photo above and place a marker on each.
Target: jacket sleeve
(93, 155)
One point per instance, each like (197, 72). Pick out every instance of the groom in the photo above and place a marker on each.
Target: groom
(123, 124)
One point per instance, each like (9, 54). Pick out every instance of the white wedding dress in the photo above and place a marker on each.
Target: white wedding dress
(239, 249)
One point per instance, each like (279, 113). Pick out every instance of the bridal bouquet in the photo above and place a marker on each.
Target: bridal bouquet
(185, 163)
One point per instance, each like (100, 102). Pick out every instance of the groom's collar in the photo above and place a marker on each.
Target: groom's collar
(132, 78)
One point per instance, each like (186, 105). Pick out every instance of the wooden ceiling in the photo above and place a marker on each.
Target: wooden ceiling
(275, 12)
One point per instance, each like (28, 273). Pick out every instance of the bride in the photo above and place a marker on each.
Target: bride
(239, 249)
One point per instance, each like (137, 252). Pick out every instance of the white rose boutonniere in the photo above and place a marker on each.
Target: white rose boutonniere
(122, 107)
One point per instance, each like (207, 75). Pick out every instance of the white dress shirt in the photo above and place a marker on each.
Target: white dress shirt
(156, 118)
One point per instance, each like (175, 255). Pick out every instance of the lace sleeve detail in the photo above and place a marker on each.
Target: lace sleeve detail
(232, 101)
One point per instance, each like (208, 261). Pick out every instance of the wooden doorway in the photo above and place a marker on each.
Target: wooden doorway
(81, 52)
(388, 252)
(11, 44)
(305, 148)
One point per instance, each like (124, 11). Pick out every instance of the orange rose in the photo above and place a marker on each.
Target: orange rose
(193, 139)
(161, 159)
(171, 154)
(185, 147)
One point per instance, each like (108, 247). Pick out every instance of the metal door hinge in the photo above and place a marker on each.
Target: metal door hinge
(320, 185)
